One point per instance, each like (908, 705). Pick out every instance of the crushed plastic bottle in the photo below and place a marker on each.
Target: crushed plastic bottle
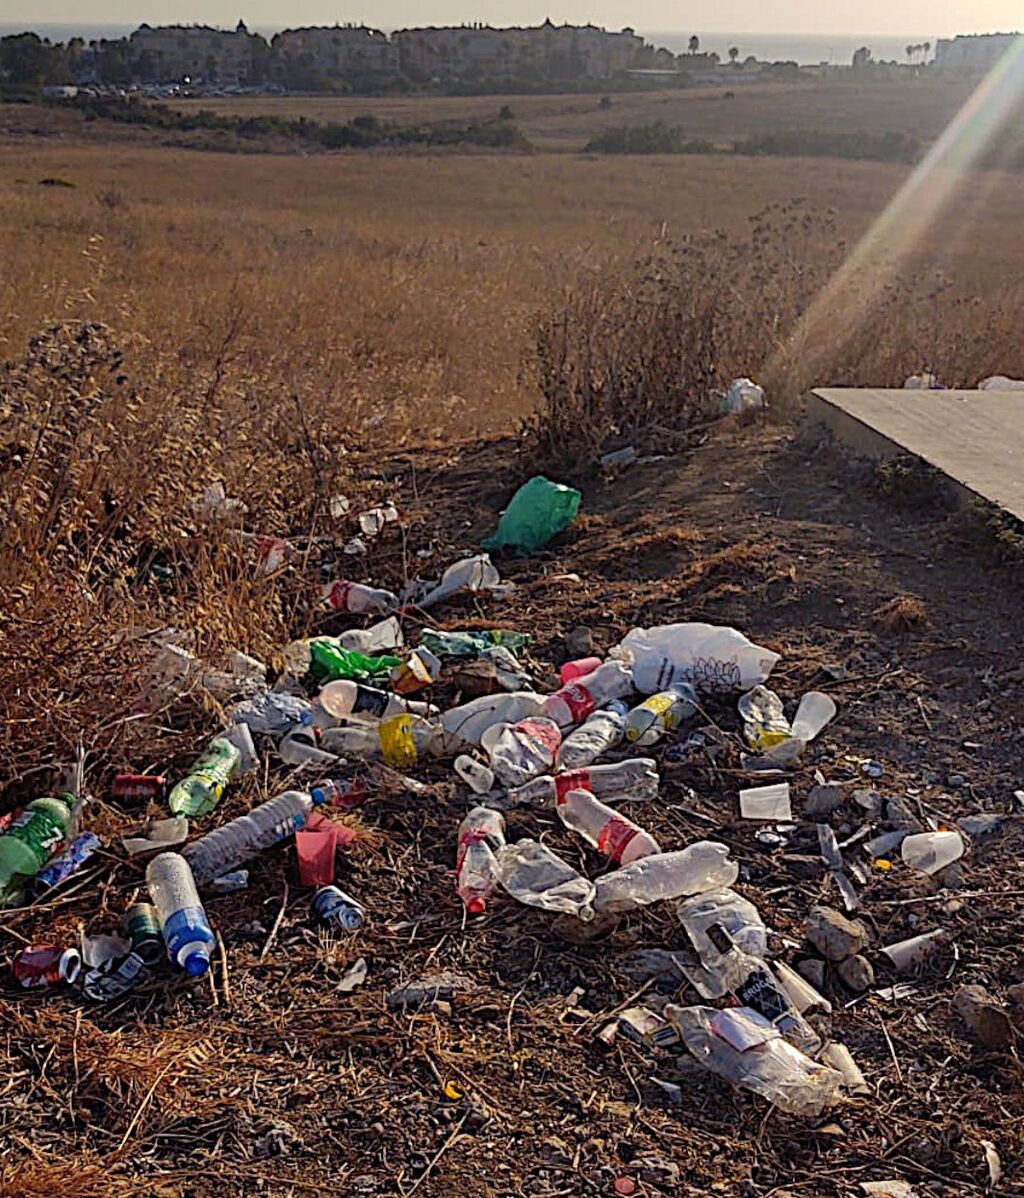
(621, 840)
(201, 791)
(521, 751)
(229, 846)
(474, 773)
(183, 921)
(635, 781)
(740, 918)
(481, 834)
(272, 713)
(356, 597)
(466, 724)
(343, 698)
(647, 723)
(746, 1050)
(574, 702)
(699, 867)
(400, 740)
(31, 838)
(538, 877)
(596, 735)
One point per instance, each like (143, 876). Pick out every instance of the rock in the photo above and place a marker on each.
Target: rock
(952, 877)
(833, 935)
(856, 974)
(956, 781)
(980, 827)
(580, 643)
(657, 1170)
(985, 1017)
(476, 678)
(803, 865)
(1015, 994)
(823, 800)
(425, 993)
(812, 970)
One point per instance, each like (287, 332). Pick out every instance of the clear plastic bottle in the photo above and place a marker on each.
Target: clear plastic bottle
(474, 773)
(227, 847)
(520, 751)
(343, 697)
(356, 597)
(772, 1068)
(32, 837)
(466, 724)
(702, 866)
(399, 740)
(600, 732)
(574, 702)
(538, 877)
(183, 921)
(481, 833)
(300, 747)
(661, 713)
(740, 918)
(754, 985)
(635, 780)
(610, 833)
(272, 713)
(201, 791)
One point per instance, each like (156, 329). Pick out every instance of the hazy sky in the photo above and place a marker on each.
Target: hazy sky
(749, 16)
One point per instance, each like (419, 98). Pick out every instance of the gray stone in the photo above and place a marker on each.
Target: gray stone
(812, 970)
(580, 643)
(952, 877)
(833, 935)
(985, 1018)
(823, 800)
(856, 973)
(956, 780)
(980, 827)
(428, 992)
(803, 865)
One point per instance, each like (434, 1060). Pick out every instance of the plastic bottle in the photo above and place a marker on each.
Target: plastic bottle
(339, 792)
(201, 791)
(617, 837)
(272, 713)
(399, 740)
(333, 906)
(754, 985)
(474, 773)
(661, 713)
(300, 747)
(600, 732)
(538, 877)
(702, 866)
(183, 922)
(227, 847)
(466, 724)
(356, 597)
(380, 638)
(343, 697)
(772, 1068)
(635, 781)
(520, 751)
(579, 668)
(740, 918)
(31, 839)
(576, 701)
(476, 868)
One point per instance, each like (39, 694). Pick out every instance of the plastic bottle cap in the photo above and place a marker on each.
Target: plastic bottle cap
(196, 964)
(306, 717)
(476, 906)
(318, 795)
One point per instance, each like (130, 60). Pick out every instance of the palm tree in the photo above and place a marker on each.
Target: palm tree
(910, 53)
(734, 53)
(694, 44)
(927, 48)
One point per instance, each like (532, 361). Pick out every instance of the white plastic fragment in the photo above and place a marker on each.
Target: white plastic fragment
(767, 803)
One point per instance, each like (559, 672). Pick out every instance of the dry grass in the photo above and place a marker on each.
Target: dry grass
(902, 613)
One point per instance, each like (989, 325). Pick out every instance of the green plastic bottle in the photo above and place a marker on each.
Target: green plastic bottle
(330, 661)
(201, 791)
(29, 841)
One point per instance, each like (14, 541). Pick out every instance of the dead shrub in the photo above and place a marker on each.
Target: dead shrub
(902, 613)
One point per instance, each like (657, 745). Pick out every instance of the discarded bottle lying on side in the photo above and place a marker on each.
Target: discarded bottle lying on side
(521, 751)
(183, 923)
(740, 919)
(699, 867)
(342, 698)
(664, 712)
(357, 597)
(481, 833)
(601, 731)
(234, 843)
(400, 740)
(201, 791)
(632, 781)
(605, 829)
(32, 838)
(574, 702)
(332, 906)
(538, 877)
(744, 1048)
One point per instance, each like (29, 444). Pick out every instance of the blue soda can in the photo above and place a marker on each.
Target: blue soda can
(73, 858)
(331, 905)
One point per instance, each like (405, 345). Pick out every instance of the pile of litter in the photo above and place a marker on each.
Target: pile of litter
(351, 711)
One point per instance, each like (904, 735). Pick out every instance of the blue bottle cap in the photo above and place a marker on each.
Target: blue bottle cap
(318, 795)
(306, 718)
(196, 964)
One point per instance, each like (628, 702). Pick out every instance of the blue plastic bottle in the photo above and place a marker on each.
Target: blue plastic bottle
(182, 918)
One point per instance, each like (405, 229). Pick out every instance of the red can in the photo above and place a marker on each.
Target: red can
(139, 786)
(42, 965)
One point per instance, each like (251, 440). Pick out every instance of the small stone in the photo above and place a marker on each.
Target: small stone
(657, 1170)
(856, 974)
(833, 935)
(812, 970)
(954, 906)
(1015, 994)
(823, 800)
(985, 705)
(986, 1020)
(980, 827)
(803, 865)
(956, 781)
(952, 877)
(580, 643)
(428, 992)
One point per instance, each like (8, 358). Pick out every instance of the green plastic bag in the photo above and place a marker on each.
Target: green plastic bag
(537, 511)
(331, 661)
(471, 644)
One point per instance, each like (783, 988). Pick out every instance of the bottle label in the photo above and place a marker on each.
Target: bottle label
(396, 742)
(40, 832)
(338, 596)
(579, 701)
(184, 925)
(470, 836)
(573, 780)
(760, 992)
(544, 732)
(371, 700)
(614, 836)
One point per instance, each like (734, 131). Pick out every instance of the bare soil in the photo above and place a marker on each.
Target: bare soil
(175, 1090)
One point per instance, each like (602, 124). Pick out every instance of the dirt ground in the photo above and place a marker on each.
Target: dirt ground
(266, 1080)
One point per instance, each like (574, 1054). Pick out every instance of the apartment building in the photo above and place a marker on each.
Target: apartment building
(344, 51)
(171, 53)
(972, 53)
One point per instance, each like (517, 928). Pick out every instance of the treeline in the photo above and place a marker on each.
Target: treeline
(658, 138)
(362, 132)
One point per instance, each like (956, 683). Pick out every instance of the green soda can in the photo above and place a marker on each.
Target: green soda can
(142, 926)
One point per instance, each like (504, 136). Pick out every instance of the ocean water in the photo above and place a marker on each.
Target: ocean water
(804, 48)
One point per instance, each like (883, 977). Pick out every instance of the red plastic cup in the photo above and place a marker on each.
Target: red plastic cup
(576, 669)
(316, 849)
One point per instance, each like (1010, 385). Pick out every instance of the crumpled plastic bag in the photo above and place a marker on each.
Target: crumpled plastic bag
(534, 875)
(539, 510)
(470, 575)
(713, 658)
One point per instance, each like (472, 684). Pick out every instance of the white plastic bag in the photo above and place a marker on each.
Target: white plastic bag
(712, 658)
(999, 382)
(471, 574)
